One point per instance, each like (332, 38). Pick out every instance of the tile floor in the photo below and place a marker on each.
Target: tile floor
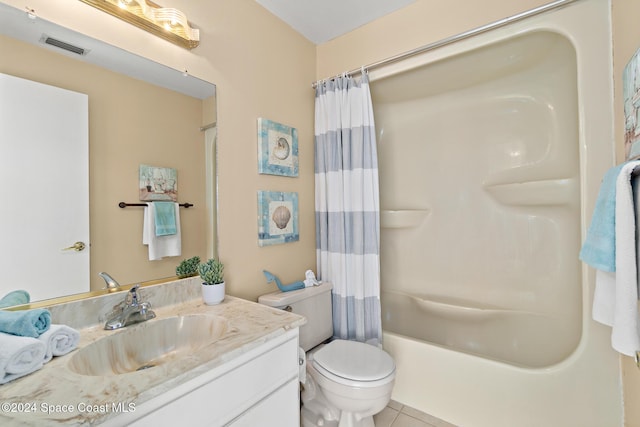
(399, 415)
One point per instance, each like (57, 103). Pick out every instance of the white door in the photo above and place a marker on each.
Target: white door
(44, 189)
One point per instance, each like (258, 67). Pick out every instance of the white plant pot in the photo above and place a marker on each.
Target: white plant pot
(213, 294)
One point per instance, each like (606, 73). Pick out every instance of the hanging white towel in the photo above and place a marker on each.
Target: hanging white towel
(616, 295)
(59, 340)
(19, 356)
(160, 246)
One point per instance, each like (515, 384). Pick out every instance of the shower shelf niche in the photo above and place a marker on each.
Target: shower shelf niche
(402, 218)
(534, 193)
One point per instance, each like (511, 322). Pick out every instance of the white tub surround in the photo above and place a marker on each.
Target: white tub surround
(253, 335)
(492, 150)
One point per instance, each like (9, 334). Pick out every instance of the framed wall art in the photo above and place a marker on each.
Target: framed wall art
(158, 183)
(277, 149)
(631, 99)
(277, 217)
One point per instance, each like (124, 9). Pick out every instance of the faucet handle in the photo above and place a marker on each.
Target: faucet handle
(145, 307)
(132, 296)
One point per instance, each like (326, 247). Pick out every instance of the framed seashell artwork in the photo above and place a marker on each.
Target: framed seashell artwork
(277, 217)
(277, 149)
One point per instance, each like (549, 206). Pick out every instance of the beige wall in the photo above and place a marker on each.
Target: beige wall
(261, 68)
(265, 70)
(626, 40)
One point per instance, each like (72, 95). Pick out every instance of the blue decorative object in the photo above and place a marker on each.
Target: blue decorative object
(284, 288)
(277, 217)
(277, 149)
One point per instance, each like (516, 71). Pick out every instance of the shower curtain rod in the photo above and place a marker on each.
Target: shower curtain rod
(458, 37)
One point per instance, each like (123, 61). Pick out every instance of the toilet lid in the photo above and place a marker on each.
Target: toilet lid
(354, 360)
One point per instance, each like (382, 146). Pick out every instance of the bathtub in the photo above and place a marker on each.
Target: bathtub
(520, 338)
(491, 152)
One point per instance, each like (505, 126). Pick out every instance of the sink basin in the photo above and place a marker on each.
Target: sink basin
(148, 344)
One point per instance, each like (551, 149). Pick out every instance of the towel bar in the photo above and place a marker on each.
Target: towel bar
(124, 205)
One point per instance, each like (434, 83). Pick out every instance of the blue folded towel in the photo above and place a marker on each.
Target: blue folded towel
(165, 218)
(25, 323)
(15, 298)
(599, 248)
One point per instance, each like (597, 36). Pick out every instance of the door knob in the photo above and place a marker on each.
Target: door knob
(77, 246)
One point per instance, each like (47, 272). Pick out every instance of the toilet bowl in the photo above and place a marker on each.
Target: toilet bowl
(347, 383)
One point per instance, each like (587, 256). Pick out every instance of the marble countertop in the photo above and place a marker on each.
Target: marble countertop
(57, 395)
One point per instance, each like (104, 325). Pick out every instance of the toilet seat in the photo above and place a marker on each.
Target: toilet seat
(354, 363)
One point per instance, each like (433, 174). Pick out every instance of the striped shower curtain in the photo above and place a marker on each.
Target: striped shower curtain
(348, 206)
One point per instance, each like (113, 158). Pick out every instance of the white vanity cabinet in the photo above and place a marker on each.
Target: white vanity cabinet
(256, 388)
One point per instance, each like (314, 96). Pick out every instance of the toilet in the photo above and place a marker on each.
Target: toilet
(346, 382)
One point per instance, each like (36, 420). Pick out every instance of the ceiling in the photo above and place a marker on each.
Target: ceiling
(323, 20)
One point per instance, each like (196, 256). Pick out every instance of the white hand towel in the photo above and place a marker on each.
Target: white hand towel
(160, 246)
(604, 298)
(616, 296)
(310, 279)
(19, 356)
(59, 340)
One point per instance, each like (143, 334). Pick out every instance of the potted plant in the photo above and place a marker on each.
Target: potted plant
(188, 268)
(212, 275)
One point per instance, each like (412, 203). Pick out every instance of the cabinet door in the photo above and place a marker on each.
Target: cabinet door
(268, 373)
(276, 410)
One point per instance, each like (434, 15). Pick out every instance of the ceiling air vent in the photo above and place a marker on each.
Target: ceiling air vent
(63, 45)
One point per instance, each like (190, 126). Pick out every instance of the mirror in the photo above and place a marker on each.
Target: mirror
(140, 113)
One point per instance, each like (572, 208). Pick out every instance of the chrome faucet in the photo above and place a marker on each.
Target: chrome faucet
(112, 285)
(129, 311)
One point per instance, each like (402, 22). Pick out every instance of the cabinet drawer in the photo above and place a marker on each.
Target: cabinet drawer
(276, 410)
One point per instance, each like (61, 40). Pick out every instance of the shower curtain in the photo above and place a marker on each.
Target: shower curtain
(348, 206)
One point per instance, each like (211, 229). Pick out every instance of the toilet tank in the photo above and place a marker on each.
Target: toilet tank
(314, 303)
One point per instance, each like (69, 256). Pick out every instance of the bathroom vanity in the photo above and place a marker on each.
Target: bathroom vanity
(260, 387)
(235, 363)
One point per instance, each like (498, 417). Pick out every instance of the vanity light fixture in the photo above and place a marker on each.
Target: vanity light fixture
(165, 22)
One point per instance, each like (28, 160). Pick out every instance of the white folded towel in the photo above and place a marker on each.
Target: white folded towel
(160, 246)
(310, 279)
(59, 340)
(615, 300)
(19, 356)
